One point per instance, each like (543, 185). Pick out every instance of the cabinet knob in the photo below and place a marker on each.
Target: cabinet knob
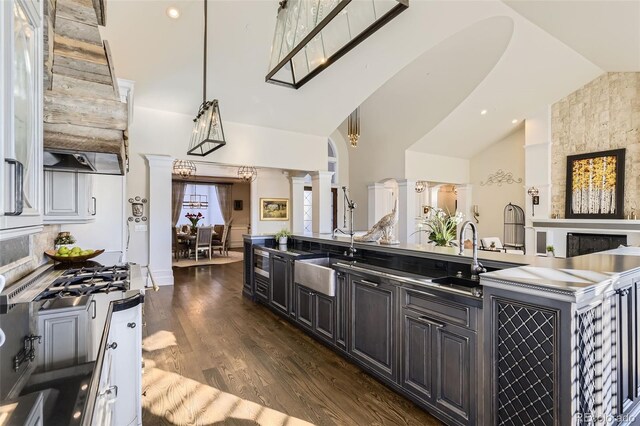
(113, 345)
(131, 325)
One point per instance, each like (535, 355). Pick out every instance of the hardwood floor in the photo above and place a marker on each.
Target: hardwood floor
(213, 357)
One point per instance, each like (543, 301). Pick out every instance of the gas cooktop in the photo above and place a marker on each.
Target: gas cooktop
(87, 280)
(48, 283)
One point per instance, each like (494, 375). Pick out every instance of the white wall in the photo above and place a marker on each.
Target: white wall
(436, 168)
(269, 184)
(508, 155)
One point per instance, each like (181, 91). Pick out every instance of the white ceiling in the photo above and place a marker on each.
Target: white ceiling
(422, 79)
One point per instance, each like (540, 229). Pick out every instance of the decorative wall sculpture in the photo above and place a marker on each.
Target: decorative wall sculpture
(501, 177)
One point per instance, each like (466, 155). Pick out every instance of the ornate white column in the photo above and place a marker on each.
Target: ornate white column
(297, 204)
(160, 167)
(406, 211)
(375, 203)
(321, 203)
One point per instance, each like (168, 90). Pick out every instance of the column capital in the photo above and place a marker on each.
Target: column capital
(159, 160)
(321, 174)
(375, 185)
(409, 183)
(296, 180)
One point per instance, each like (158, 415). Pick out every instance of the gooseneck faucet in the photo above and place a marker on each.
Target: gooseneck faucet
(476, 267)
(349, 204)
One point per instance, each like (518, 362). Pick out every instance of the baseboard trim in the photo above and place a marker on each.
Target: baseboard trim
(161, 277)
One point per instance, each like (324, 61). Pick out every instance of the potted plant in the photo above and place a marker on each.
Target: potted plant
(282, 236)
(550, 251)
(440, 226)
(64, 239)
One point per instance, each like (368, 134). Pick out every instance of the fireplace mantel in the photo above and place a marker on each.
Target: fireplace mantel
(554, 231)
(615, 225)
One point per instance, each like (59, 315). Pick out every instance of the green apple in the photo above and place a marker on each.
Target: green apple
(64, 255)
(63, 249)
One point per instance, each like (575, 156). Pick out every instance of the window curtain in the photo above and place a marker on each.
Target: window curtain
(224, 199)
(177, 197)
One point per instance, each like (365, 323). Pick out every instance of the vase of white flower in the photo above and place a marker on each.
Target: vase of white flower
(441, 226)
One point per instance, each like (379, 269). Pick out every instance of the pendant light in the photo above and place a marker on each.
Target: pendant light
(310, 34)
(353, 127)
(421, 186)
(207, 135)
(184, 168)
(247, 173)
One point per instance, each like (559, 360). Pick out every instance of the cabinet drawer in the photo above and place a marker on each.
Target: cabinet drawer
(437, 307)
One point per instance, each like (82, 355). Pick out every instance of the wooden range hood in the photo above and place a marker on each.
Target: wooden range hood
(84, 117)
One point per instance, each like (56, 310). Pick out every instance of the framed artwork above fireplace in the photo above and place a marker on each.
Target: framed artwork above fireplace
(595, 185)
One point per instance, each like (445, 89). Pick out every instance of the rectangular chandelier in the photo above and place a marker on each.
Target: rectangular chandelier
(312, 34)
(207, 135)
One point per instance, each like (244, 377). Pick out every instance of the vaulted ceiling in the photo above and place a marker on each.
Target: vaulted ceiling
(422, 80)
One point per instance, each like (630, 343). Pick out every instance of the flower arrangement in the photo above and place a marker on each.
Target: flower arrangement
(194, 219)
(441, 226)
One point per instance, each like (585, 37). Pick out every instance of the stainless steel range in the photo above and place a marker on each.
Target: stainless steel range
(47, 282)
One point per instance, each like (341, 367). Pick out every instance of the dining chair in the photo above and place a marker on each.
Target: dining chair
(226, 238)
(178, 246)
(217, 241)
(203, 240)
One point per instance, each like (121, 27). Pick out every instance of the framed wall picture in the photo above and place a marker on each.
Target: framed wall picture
(274, 209)
(237, 204)
(595, 185)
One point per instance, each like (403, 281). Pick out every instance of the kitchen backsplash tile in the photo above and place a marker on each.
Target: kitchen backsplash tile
(19, 256)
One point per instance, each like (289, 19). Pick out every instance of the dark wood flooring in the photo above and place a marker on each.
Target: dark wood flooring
(213, 357)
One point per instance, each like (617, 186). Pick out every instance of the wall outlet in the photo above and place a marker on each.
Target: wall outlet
(141, 228)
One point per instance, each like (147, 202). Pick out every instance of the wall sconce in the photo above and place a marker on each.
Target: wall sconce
(535, 199)
(476, 213)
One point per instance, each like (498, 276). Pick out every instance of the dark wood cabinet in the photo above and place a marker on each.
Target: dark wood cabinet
(324, 324)
(341, 310)
(439, 345)
(454, 371)
(304, 306)
(280, 283)
(315, 312)
(626, 350)
(247, 283)
(418, 353)
(262, 288)
(372, 325)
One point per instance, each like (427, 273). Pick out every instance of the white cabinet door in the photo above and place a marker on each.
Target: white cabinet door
(68, 198)
(20, 117)
(64, 333)
(118, 400)
(126, 328)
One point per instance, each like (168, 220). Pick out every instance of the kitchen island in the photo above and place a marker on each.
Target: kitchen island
(535, 341)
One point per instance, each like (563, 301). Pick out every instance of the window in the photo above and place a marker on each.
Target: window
(332, 153)
(212, 214)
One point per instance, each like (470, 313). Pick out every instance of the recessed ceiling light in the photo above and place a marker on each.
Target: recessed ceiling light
(514, 121)
(483, 112)
(173, 12)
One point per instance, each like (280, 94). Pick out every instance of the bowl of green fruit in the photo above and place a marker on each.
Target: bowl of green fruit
(75, 254)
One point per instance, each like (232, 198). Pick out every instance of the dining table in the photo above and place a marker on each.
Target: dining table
(190, 239)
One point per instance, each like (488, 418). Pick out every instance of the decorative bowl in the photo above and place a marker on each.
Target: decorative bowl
(52, 254)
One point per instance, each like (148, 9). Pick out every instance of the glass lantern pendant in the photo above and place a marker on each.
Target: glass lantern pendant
(207, 134)
(312, 34)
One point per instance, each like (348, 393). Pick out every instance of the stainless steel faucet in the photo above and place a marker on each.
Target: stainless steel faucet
(349, 204)
(476, 267)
